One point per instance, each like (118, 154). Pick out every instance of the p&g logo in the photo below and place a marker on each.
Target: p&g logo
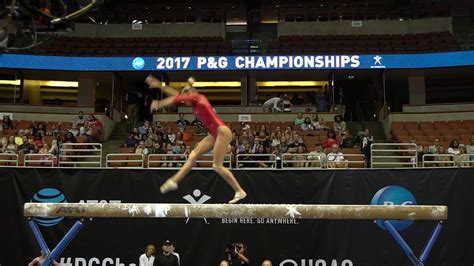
(48, 195)
(138, 63)
(394, 195)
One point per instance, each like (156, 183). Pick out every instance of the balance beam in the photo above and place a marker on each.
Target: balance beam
(163, 210)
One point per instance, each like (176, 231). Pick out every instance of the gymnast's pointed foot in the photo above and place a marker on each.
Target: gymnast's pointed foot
(168, 186)
(238, 196)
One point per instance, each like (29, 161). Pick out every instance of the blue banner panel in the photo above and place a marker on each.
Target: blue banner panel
(280, 62)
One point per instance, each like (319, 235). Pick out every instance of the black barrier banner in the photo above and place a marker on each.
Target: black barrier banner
(202, 242)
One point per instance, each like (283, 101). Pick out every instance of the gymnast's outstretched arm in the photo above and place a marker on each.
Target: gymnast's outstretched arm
(157, 104)
(154, 83)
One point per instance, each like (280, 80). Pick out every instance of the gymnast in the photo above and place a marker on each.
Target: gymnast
(218, 140)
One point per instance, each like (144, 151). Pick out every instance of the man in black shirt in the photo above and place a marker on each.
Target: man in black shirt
(166, 258)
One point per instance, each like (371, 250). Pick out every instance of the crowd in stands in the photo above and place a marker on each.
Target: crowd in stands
(306, 139)
(28, 137)
(444, 143)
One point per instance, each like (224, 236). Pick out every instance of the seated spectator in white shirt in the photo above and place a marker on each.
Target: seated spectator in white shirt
(86, 131)
(147, 258)
(335, 158)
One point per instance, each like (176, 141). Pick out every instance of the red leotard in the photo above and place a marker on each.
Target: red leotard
(202, 110)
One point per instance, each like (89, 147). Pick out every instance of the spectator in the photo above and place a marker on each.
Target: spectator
(271, 105)
(453, 147)
(307, 125)
(318, 156)
(54, 150)
(264, 140)
(11, 146)
(143, 130)
(86, 131)
(261, 150)
(336, 158)
(7, 123)
(433, 149)
(300, 156)
(237, 255)
(53, 131)
(367, 140)
(26, 147)
(157, 149)
(339, 125)
(275, 139)
(44, 150)
(4, 143)
(346, 140)
(256, 143)
(299, 120)
(262, 130)
(182, 122)
(166, 258)
(32, 130)
(224, 263)
(459, 159)
(439, 159)
(165, 140)
(80, 119)
(94, 122)
(147, 258)
(38, 140)
(196, 123)
(330, 141)
(267, 263)
(283, 145)
(141, 149)
(172, 249)
(149, 141)
(40, 129)
(131, 141)
(38, 261)
(241, 147)
(286, 104)
(19, 138)
(470, 148)
(69, 138)
(136, 133)
(315, 123)
(171, 135)
(75, 130)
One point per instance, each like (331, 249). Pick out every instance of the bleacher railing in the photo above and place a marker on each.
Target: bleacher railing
(466, 160)
(268, 161)
(393, 154)
(205, 161)
(121, 160)
(39, 160)
(166, 161)
(80, 155)
(290, 160)
(435, 162)
(8, 159)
